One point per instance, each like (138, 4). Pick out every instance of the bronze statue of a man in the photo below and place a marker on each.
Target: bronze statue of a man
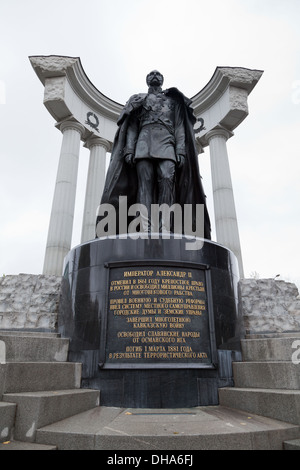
(155, 143)
(154, 158)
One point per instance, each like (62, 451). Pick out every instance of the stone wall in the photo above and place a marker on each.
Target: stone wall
(269, 306)
(29, 301)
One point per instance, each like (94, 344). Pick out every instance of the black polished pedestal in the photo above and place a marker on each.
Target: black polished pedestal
(154, 324)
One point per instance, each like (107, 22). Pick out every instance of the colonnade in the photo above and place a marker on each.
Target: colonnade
(84, 114)
(63, 205)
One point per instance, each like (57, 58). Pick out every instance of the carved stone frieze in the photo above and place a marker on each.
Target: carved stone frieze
(270, 306)
(238, 99)
(54, 64)
(54, 89)
(240, 76)
(29, 301)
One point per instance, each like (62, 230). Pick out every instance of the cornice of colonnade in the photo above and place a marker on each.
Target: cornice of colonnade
(239, 77)
(55, 66)
(70, 95)
(223, 102)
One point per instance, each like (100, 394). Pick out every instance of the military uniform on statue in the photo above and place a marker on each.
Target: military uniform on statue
(154, 158)
(156, 144)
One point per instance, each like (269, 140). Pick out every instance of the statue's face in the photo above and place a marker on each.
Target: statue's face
(155, 78)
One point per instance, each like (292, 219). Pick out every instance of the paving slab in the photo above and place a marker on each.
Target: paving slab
(201, 428)
(17, 445)
(292, 445)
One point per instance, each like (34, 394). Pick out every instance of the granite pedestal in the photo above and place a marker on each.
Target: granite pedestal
(156, 325)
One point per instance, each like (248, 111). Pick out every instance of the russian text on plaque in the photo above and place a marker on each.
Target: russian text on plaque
(158, 316)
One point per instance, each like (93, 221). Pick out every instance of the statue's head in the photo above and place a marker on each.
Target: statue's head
(155, 78)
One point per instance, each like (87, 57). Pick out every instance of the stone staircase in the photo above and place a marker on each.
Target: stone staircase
(267, 382)
(37, 387)
(42, 406)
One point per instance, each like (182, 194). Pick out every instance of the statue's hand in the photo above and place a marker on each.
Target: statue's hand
(129, 159)
(135, 101)
(180, 160)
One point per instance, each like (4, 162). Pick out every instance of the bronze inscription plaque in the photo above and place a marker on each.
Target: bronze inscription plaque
(158, 316)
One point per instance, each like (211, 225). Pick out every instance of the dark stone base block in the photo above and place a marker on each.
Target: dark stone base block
(155, 388)
(155, 324)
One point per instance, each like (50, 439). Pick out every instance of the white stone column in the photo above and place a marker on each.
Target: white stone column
(224, 206)
(62, 214)
(95, 185)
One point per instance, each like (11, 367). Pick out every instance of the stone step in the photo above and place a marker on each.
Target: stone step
(7, 419)
(37, 409)
(24, 332)
(270, 349)
(34, 347)
(17, 445)
(294, 334)
(271, 374)
(201, 428)
(294, 444)
(282, 405)
(17, 377)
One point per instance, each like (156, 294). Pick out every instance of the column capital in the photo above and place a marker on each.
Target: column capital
(68, 124)
(92, 141)
(218, 132)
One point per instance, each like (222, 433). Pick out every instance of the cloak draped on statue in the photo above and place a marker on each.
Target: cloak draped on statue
(121, 179)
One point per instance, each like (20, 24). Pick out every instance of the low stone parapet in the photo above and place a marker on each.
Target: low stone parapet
(269, 306)
(29, 301)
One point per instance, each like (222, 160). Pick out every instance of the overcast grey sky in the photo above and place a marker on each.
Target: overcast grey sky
(119, 42)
